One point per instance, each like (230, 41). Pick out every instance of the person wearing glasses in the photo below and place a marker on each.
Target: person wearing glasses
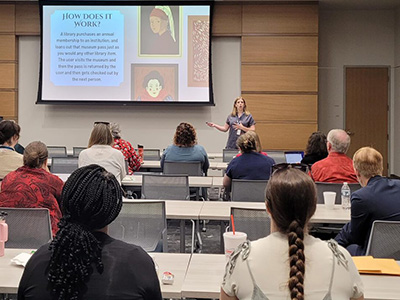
(290, 263)
(101, 152)
(238, 122)
(10, 160)
(250, 165)
(32, 185)
(83, 261)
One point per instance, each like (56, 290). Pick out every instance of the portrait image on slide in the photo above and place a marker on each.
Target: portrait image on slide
(159, 30)
(154, 82)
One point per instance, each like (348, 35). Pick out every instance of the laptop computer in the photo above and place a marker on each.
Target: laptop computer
(293, 157)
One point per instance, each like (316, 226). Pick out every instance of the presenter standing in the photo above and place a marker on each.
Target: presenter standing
(238, 122)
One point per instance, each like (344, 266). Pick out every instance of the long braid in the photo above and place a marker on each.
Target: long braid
(296, 261)
(291, 200)
(91, 199)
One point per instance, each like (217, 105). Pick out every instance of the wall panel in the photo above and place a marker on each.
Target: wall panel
(303, 108)
(27, 19)
(280, 19)
(7, 18)
(280, 49)
(227, 20)
(7, 48)
(284, 136)
(8, 108)
(261, 78)
(7, 76)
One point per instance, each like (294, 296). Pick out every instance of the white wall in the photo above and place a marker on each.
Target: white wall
(351, 38)
(151, 126)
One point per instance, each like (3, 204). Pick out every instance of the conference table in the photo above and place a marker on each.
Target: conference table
(194, 181)
(156, 164)
(195, 276)
(204, 276)
(176, 263)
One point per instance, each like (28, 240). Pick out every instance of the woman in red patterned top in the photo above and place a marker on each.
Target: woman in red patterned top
(126, 148)
(32, 185)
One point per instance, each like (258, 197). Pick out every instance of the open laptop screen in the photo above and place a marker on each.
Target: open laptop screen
(294, 156)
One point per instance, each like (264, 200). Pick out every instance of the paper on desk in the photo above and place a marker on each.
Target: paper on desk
(21, 259)
(377, 266)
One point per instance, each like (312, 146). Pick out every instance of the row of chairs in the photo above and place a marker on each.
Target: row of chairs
(278, 156)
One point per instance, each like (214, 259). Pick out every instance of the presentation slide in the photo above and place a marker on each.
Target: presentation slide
(128, 54)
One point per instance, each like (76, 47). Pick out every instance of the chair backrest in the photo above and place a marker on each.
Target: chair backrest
(248, 190)
(166, 187)
(142, 223)
(384, 240)
(229, 154)
(333, 187)
(64, 165)
(28, 228)
(277, 156)
(254, 222)
(190, 168)
(77, 150)
(151, 154)
(57, 151)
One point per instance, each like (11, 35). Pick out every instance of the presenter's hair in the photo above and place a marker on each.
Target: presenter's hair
(368, 161)
(185, 135)
(35, 154)
(101, 135)
(291, 200)
(153, 75)
(235, 111)
(7, 130)
(317, 144)
(247, 142)
(91, 199)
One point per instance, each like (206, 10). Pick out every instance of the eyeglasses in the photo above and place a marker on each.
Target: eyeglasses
(284, 166)
(100, 122)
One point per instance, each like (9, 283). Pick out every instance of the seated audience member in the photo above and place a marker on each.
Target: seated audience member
(101, 152)
(250, 165)
(290, 263)
(316, 148)
(83, 261)
(258, 143)
(132, 159)
(337, 167)
(33, 186)
(378, 199)
(185, 147)
(10, 160)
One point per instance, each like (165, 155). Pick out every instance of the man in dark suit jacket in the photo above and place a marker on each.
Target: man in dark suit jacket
(378, 199)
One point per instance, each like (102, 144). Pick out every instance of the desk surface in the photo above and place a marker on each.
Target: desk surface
(155, 164)
(194, 181)
(217, 210)
(175, 209)
(205, 272)
(177, 263)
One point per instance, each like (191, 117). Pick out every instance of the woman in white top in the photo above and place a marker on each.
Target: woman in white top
(289, 263)
(101, 152)
(10, 160)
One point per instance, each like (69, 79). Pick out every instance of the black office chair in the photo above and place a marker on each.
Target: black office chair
(256, 223)
(166, 187)
(248, 190)
(229, 154)
(77, 150)
(57, 151)
(333, 187)
(384, 240)
(64, 165)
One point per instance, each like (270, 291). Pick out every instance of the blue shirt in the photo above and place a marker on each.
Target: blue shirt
(195, 153)
(251, 166)
(246, 120)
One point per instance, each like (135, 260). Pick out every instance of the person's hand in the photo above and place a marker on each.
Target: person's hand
(210, 124)
(237, 126)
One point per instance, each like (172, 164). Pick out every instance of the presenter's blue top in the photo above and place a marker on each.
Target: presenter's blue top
(246, 120)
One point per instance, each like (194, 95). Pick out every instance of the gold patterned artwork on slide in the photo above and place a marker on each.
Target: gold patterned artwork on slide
(198, 50)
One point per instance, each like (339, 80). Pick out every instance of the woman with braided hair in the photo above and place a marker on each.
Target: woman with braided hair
(83, 262)
(289, 263)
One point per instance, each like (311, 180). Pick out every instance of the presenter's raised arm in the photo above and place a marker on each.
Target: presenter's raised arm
(219, 127)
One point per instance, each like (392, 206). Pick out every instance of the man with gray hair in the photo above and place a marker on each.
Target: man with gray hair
(337, 167)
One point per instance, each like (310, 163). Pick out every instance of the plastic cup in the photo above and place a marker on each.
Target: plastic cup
(329, 199)
(232, 241)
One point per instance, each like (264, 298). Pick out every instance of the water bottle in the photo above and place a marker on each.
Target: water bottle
(345, 196)
(3, 232)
